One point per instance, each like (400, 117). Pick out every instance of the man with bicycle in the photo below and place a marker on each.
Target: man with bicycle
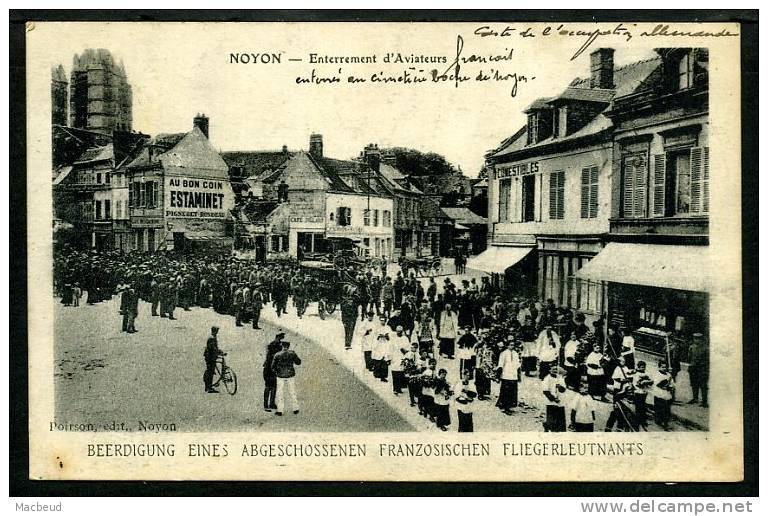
(210, 354)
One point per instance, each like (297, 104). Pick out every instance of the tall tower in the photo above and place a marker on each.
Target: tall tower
(59, 87)
(100, 98)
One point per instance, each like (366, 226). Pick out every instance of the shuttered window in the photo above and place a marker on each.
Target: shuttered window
(504, 192)
(699, 177)
(634, 185)
(556, 195)
(681, 182)
(659, 191)
(589, 192)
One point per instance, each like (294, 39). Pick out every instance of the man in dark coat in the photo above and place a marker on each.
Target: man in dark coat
(132, 309)
(283, 367)
(210, 354)
(270, 379)
(698, 370)
(349, 305)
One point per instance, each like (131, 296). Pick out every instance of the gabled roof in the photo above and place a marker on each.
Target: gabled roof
(256, 211)
(397, 179)
(62, 174)
(95, 154)
(464, 216)
(256, 163)
(585, 95)
(190, 150)
(628, 79)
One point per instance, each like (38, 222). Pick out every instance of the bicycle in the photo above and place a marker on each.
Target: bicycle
(225, 374)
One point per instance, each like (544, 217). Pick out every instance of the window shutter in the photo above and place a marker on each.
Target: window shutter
(154, 194)
(696, 173)
(584, 193)
(705, 183)
(130, 195)
(659, 185)
(593, 192)
(561, 195)
(554, 184)
(629, 187)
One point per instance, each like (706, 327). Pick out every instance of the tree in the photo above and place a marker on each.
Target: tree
(417, 163)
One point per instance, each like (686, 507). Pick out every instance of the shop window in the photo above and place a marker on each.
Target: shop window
(589, 192)
(505, 186)
(556, 195)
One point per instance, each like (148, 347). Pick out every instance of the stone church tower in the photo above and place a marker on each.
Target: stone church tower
(100, 98)
(59, 101)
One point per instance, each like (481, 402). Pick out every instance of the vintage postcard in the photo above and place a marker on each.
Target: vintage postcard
(487, 251)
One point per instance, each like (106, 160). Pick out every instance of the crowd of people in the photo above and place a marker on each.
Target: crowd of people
(409, 329)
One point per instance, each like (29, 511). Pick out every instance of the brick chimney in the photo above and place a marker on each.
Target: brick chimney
(372, 156)
(201, 122)
(601, 68)
(316, 145)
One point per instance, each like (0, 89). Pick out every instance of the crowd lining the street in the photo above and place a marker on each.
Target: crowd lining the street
(407, 329)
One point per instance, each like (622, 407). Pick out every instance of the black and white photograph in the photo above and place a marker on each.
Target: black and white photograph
(361, 240)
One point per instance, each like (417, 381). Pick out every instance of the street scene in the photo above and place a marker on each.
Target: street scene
(561, 287)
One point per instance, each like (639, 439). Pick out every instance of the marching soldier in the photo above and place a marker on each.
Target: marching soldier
(257, 303)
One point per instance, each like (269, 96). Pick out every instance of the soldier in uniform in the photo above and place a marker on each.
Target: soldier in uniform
(257, 303)
(154, 295)
(698, 370)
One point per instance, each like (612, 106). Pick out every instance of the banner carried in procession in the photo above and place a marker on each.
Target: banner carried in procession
(197, 198)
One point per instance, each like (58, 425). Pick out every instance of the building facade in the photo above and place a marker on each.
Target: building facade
(550, 188)
(179, 194)
(319, 201)
(659, 225)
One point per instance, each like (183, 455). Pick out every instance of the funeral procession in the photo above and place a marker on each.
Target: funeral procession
(560, 286)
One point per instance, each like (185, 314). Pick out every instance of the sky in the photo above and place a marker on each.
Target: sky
(177, 70)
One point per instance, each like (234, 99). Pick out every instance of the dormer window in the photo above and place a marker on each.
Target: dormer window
(560, 121)
(685, 71)
(533, 128)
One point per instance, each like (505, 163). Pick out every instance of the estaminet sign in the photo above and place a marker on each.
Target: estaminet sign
(197, 198)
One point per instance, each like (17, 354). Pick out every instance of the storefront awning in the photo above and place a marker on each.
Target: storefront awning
(497, 259)
(682, 267)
